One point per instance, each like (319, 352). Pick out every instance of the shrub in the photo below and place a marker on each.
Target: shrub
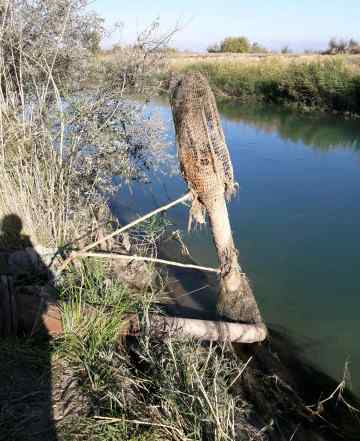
(40, 37)
(285, 50)
(256, 48)
(342, 46)
(61, 145)
(214, 48)
(235, 44)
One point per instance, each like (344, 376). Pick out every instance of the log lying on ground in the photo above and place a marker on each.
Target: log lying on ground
(36, 314)
(208, 330)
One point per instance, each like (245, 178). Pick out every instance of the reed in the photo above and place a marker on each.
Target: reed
(330, 84)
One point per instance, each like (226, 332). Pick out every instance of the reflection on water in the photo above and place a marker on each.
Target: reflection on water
(319, 131)
(295, 221)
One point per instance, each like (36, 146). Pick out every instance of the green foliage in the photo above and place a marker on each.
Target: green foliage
(62, 144)
(92, 40)
(214, 48)
(327, 86)
(150, 390)
(235, 44)
(337, 46)
(256, 48)
(285, 50)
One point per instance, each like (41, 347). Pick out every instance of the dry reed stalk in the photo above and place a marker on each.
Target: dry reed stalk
(121, 230)
(147, 259)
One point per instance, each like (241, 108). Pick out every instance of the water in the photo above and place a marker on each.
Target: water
(296, 223)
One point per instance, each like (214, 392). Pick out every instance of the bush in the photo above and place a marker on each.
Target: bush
(285, 50)
(256, 48)
(62, 145)
(45, 40)
(342, 46)
(235, 44)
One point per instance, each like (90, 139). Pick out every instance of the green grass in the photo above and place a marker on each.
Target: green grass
(147, 389)
(100, 387)
(328, 85)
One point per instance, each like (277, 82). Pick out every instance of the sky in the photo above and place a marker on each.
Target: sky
(299, 24)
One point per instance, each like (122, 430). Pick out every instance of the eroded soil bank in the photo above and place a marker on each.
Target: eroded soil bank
(44, 396)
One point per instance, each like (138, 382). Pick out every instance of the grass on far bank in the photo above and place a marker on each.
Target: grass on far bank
(330, 84)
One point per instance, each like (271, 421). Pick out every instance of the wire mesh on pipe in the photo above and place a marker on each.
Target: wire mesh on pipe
(203, 155)
(206, 167)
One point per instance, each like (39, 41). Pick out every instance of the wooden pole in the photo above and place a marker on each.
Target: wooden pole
(236, 300)
(206, 167)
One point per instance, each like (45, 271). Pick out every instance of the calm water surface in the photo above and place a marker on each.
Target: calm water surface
(296, 223)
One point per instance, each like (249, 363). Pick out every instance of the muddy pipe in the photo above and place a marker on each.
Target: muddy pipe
(32, 314)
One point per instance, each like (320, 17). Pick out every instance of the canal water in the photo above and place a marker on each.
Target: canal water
(296, 223)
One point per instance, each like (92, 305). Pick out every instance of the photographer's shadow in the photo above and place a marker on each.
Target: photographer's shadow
(26, 411)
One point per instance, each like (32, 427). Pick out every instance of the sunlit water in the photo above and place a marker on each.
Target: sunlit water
(296, 222)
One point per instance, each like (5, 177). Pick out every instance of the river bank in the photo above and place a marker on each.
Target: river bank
(95, 386)
(60, 162)
(147, 389)
(305, 83)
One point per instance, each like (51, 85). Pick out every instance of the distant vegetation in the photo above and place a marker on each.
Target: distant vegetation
(286, 50)
(243, 45)
(341, 46)
(237, 45)
(308, 84)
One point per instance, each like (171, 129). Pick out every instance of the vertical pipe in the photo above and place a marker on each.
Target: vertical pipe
(236, 300)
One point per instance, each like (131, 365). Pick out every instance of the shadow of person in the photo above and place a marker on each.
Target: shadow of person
(26, 411)
(11, 233)
(18, 255)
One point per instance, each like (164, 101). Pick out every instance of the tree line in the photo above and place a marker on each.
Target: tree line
(242, 44)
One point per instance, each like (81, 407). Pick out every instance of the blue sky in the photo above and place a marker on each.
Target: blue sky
(300, 24)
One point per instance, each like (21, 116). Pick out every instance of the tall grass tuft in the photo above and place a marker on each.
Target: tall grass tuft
(145, 389)
(34, 183)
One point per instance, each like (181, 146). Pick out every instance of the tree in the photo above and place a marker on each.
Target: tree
(353, 46)
(92, 40)
(337, 46)
(214, 48)
(285, 50)
(235, 44)
(342, 46)
(256, 48)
